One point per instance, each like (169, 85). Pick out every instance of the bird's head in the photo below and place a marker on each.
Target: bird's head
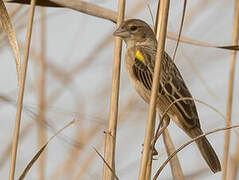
(135, 31)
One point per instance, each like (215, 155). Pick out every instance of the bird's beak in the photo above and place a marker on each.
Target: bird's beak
(120, 32)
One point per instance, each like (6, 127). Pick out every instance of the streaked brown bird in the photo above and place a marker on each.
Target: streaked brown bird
(139, 63)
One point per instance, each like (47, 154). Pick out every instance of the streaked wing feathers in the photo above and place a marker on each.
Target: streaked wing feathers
(171, 85)
(144, 75)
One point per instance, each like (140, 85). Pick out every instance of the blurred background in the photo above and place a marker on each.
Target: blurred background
(78, 53)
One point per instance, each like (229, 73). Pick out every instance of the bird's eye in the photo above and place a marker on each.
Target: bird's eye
(133, 28)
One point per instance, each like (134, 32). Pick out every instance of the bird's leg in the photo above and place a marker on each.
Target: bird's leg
(164, 122)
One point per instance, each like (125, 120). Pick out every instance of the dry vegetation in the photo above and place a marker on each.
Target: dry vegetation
(77, 116)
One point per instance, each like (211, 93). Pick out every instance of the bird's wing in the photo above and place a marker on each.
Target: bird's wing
(172, 85)
(175, 88)
(143, 68)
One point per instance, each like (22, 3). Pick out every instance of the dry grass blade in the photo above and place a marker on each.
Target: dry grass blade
(110, 136)
(181, 28)
(82, 6)
(232, 47)
(105, 162)
(7, 25)
(186, 144)
(145, 168)
(235, 35)
(35, 158)
(176, 169)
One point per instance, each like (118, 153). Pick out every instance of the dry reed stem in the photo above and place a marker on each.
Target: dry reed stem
(175, 166)
(186, 144)
(21, 92)
(7, 26)
(81, 6)
(230, 91)
(176, 169)
(147, 151)
(157, 26)
(110, 135)
(41, 95)
(181, 29)
(234, 161)
(187, 40)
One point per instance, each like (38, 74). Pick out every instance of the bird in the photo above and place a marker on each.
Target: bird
(139, 62)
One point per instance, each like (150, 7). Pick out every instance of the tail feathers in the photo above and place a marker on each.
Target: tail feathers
(209, 154)
(206, 150)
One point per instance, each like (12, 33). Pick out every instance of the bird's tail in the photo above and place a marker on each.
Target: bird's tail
(207, 151)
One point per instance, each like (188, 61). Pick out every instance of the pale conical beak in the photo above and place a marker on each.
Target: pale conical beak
(120, 32)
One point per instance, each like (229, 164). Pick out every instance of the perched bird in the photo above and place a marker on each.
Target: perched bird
(141, 47)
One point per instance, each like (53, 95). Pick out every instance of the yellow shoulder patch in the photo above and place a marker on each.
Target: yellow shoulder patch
(139, 56)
